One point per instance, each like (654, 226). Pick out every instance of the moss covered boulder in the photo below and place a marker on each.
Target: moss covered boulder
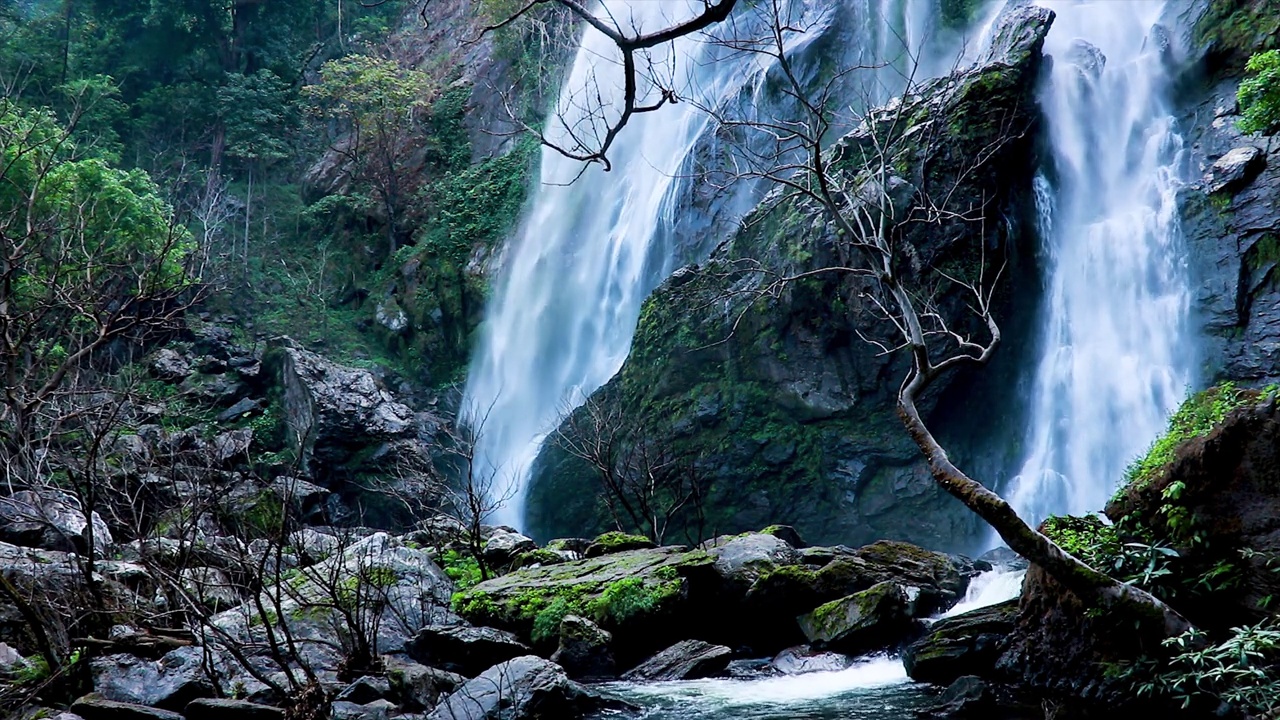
(967, 644)
(873, 619)
(646, 598)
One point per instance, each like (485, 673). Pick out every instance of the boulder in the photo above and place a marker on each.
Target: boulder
(647, 599)
(463, 649)
(523, 688)
(169, 683)
(223, 709)
(804, 659)
(503, 547)
(376, 710)
(584, 649)
(170, 365)
(686, 660)
(365, 690)
(211, 587)
(967, 644)
(613, 542)
(741, 559)
(50, 520)
(1236, 169)
(96, 707)
(231, 447)
(870, 620)
(418, 687)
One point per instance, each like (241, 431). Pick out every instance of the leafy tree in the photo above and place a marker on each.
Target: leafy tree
(89, 254)
(1259, 96)
(372, 110)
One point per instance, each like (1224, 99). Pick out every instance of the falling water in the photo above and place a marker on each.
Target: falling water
(1115, 356)
(595, 243)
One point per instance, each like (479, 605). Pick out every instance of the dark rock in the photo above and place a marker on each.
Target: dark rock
(419, 687)
(239, 409)
(786, 533)
(96, 707)
(967, 644)
(870, 620)
(1235, 169)
(366, 690)
(220, 709)
(463, 649)
(169, 683)
(50, 520)
(687, 660)
(584, 649)
(523, 688)
(376, 710)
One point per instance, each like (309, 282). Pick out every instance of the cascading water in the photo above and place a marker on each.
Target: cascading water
(1116, 355)
(594, 244)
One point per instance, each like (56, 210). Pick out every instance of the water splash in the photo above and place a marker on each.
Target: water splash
(1116, 355)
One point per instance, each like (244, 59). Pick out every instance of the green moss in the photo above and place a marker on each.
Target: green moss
(1087, 538)
(463, 570)
(541, 556)
(615, 541)
(1199, 415)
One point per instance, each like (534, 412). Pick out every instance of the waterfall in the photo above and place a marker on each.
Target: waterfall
(1115, 354)
(594, 244)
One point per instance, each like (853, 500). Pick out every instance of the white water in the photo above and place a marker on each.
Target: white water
(1116, 355)
(571, 285)
(989, 588)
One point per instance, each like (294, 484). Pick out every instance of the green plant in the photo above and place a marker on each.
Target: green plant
(463, 570)
(1241, 670)
(1259, 95)
(1200, 414)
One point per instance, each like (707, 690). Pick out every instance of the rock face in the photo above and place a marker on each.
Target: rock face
(967, 644)
(584, 650)
(688, 660)
(50, 521)
(523, 688)
(791, 414)
(95, 707)
(168, 683)
(419, 687)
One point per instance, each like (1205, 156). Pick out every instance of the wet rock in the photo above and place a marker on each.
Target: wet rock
(1235, 169)
(463, 649)
(96, 707)
(168, 683)
(968, 644)
(870, 620)
(687, 660)
(523, 688)
(584, 650)
(800, 660)
(419, 687)
(241, 408)
(223, 709)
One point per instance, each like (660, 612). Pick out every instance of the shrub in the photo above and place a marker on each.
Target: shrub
(1259, 95)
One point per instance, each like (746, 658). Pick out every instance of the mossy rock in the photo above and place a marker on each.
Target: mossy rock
(614, 542)
(967, 644)
(873, 619)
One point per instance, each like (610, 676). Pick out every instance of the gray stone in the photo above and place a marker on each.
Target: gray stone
(377, 710)
(211, 587)
(169, 683)
(503, 547)
(687, 660)
(96, 707)
(50, 520)
(742, 559)
(240, 408)
(1235, 169)
(222, 709)
(419, 687)
(366, 690)
(463, 649)
(523, 688)
(169, 365)
(232, 446)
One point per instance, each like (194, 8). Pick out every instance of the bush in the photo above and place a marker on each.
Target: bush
(1259, 95)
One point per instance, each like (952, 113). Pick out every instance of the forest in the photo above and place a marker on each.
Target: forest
(666, 359)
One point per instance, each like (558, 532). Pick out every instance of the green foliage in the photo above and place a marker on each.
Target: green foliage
(1197, 417)
(463, 570)
(1259, 94)
(614, 539)
(259, 113)
(1087, 538)
(1241, 670)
